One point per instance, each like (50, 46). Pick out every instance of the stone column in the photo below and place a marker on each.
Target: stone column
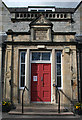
(28, 76)
(53, 76)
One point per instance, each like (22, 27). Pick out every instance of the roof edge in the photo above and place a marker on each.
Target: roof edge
(4, 4)
(78, 6)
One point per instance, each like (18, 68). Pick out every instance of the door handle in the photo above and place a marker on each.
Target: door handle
(41, 78)
(42, 82)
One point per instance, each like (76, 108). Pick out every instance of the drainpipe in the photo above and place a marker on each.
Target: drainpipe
(78, 73)
(3, 36)
(79, 66)
(81, 75)
(12, 71)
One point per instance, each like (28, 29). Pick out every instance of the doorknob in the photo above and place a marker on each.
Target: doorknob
(41, 78)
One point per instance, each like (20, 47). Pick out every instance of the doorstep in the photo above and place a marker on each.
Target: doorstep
(41, 110)
(42, 113)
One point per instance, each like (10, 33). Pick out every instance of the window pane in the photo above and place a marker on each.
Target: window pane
(22, 83)
(58, 69)
(36, 56)
(23, 57)
(59, 81)
(22, 69)
(58, 57)
(45, 56)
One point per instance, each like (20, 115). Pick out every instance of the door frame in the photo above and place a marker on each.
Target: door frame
(44, 63)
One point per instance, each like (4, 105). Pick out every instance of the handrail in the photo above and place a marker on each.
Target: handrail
(59, 97)
(66, 96)
(59, 102)
(23, 96)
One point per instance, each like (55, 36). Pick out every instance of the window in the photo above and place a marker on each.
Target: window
(36, 56)
(41, 56)
(22, 69)
(41, 10)
(45, 56)
(58, 69)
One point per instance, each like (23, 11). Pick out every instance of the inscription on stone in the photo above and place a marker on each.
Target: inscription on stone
(40, 35)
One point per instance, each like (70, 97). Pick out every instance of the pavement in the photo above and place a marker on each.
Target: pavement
(6, 116)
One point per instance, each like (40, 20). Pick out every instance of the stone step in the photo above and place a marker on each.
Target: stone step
(41, 110)
(42, 113)
(38, 105)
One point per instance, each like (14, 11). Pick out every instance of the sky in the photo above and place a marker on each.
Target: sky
(56, 3)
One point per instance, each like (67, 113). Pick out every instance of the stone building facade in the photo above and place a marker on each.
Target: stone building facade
(39, 52)
(79, 50)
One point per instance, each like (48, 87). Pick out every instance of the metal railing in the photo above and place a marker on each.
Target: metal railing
(58, 96)
(23, 97)
(58, 102)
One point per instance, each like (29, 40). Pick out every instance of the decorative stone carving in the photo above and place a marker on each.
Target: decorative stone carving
(42, 20)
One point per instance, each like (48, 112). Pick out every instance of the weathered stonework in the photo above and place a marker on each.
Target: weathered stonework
(56, 35)
(63, 38)
(21, 38)
(7, 75)
(40, 34)
(66, 63)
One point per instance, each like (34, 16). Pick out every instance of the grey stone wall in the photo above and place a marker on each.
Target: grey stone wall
(81, 19)
(57, 26)
(76, 24)
(8, 24)
(24, 25)
(61, 26)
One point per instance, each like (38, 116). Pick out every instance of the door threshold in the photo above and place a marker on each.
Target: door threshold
(42, 102)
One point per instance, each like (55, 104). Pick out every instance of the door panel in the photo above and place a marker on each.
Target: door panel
(45, 79)
(40, 82)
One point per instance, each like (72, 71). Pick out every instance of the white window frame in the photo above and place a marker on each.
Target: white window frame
(61, 69)
(40, 61)
(20, 69)
(32, 8)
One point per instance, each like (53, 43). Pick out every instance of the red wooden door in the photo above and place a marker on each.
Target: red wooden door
(40, 82)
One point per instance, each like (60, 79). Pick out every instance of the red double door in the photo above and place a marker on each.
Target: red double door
(40, 82)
